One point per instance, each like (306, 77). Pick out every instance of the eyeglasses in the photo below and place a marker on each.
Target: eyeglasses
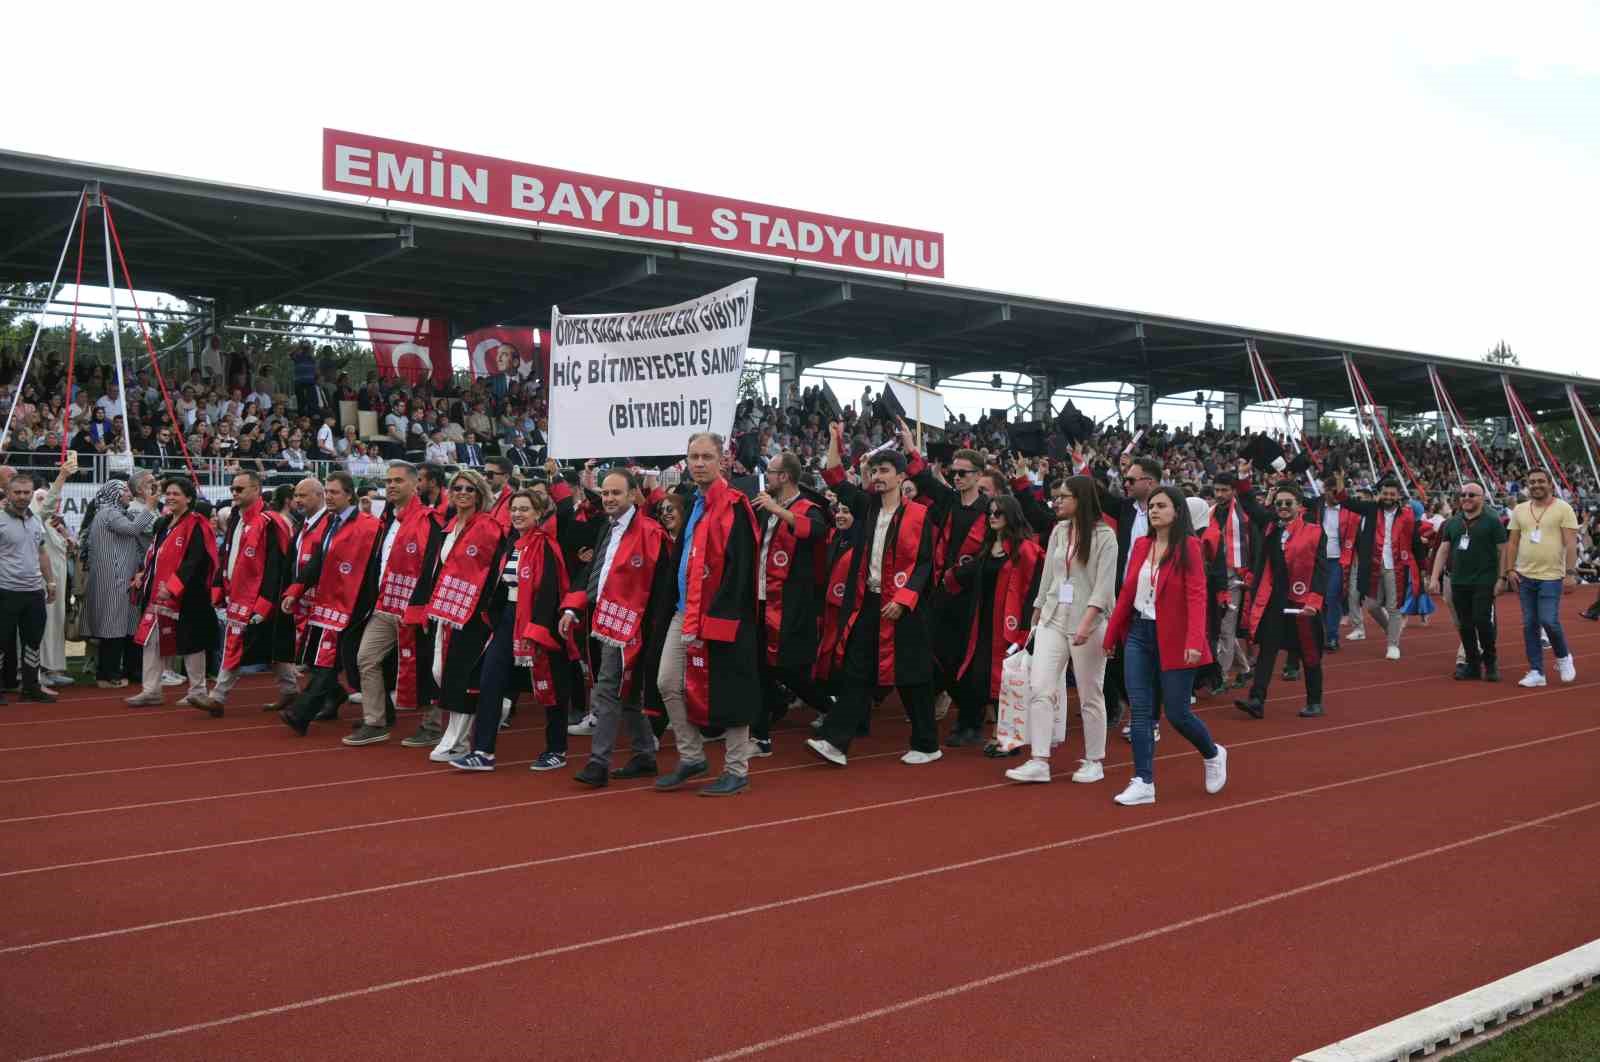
(963, 471)
(1130, 480)
(1286, 504)
(463, 488)
(1471, 494)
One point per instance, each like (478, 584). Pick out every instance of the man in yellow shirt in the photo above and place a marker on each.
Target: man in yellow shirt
(1543, 549)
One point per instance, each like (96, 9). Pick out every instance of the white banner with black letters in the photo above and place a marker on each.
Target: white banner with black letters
(630, 384)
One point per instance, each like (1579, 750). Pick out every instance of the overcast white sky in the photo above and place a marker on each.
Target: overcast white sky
(1420, 175)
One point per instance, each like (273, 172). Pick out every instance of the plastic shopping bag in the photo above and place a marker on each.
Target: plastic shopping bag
(1011, 726)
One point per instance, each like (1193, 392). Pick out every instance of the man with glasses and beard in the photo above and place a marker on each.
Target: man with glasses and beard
(1290, 580)
(1386, 565)
(497, 471)
(1471, 542)
(1543, 543)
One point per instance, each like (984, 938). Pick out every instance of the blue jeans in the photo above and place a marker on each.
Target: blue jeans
(1142, 672)
(1541, 607)
(1333, 604)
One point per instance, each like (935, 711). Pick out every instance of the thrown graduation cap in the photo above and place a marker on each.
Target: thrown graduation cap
(1264, 452)
(1300, 462)
(1028, 438)
(828, 402)
(1074, 426)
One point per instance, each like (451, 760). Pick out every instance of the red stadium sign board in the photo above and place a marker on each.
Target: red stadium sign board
(371, 166)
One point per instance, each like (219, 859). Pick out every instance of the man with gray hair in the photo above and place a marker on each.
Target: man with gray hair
(27, 582)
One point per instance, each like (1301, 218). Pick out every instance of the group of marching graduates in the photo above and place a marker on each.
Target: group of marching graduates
(715, 607)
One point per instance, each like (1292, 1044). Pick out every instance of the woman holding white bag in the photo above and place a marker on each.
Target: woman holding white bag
(1076, 594)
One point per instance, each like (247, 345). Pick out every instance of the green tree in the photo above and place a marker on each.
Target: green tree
(1328, 428)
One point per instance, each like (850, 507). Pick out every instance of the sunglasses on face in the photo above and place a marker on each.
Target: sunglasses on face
(462, 488)
(963, 471)
(1129, 480)
(1286, 504)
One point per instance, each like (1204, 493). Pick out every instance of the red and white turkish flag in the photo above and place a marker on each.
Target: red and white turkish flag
(502, 350)
(411, 348)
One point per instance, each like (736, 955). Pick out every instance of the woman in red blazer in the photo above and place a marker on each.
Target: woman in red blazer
(1161, 618)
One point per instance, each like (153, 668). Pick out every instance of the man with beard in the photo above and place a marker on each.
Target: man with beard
(1386, 566)
(1290, 579)
(1543, 542)
(1470, 543)
(883, 634)
(430, 488)
(793, 541)
(335, 572)
(1232, 546)
(250, 577)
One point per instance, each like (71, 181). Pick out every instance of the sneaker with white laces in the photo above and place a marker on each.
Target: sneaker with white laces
(583, 727)
(1532, 679)
(917, 759)
(1089, 771)
(1217, 771)
(172, 678)
(763, 747)
(1566, 668)
(827, 750)
(1035, 770)
(549, 761)
(1356, 634)
(1138, 792)
(474, 761)
(1544, 637)
(1392, 653)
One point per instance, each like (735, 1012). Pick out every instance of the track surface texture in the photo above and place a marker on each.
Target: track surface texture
(178, 887)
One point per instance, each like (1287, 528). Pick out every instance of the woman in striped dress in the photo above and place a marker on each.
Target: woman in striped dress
(117, 540)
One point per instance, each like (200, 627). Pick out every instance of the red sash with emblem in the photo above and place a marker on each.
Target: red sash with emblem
(532, 643)
(459, 587)
(400, 576)
(786, 542)
(166, 593)
(259, 531)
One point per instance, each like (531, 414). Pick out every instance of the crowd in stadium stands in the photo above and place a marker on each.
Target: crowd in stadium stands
(1153, 567)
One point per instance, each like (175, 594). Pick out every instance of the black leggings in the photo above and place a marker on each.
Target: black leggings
(119, 658)
(502, 678)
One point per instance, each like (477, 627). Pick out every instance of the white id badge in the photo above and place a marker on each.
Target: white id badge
(1464, 542)
(1064, 596)
(1535, 534)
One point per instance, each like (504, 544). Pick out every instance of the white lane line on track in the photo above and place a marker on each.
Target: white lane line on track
(278, 791)
(327, 830)
(175, 763)
(846, 890)
(661, 842)
(1139, 938)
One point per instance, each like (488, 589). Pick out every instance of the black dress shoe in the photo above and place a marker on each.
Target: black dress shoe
(680, 774)
(1467, 673)
(37, 697)
(1253, 708)
(1311, 711)
(726, 785)
(1291, 674)
(592, 774)
(294, 722)
(637, 767)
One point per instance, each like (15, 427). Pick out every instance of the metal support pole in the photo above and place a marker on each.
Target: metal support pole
(38, 328)
(116, 327)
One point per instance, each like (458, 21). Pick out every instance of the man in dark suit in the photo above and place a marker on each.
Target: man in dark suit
(469, 453)
(517, 452)
(162, 448)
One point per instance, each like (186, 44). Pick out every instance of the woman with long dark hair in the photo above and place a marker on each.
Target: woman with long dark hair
(175, 592)
(1001, 583)
(1160, 620)
(1069, 616)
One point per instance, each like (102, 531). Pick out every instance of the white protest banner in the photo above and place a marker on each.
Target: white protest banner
(922, 405)
(634, 384)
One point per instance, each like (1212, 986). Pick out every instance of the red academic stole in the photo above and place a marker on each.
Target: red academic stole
(259, 531)
(618, 614)
(785, 546)
(1299, 563)
(1011, 604)
(1404, 523)
(832, 602)
(344, 566)
(305, 549)
(966, 551)
(1233, 538)
(900, 559)
(501, 510)
(405, 559)
(166, 594)
(532, 643)
(708, 554)
(461, 577)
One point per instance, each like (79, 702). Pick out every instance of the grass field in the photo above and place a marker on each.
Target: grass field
(1571, 1034)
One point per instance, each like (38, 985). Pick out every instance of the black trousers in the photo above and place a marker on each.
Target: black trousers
(22, 616)
(860, 679)
(323, 688)
(119, 658)
(1475, 622)
(499, 680)
(774, 680)
(1276, 632)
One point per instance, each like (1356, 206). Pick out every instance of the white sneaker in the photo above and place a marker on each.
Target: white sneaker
(1089, 771)
(1217, 771)
(1392, 653)
(1532, 679)
(1127, 731)
(827, 750)
(172, 678)
(583, 727)
(1138, 792)
(917, 759)
(1566, 668)
(1356, 634)
(1034, 770)
(1461, 656)
(1155, 733)
(941, 706)
(443, 754)
(355, 698)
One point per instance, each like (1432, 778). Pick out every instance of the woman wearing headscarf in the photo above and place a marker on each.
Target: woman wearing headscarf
(59, 545)
(458, 570)
(115, 541)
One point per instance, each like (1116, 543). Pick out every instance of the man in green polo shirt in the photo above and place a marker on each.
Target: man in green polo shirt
(1471, 541)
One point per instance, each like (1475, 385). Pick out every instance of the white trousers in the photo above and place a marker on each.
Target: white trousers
(1051, 651)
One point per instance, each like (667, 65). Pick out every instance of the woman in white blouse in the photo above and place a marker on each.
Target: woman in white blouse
(1076, 592)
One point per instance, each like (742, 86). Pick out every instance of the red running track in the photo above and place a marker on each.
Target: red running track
(181, 887)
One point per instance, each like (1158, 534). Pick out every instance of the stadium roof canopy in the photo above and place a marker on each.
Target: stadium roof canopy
(244, 246)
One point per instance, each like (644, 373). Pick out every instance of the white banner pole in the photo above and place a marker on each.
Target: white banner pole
(44, 311)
